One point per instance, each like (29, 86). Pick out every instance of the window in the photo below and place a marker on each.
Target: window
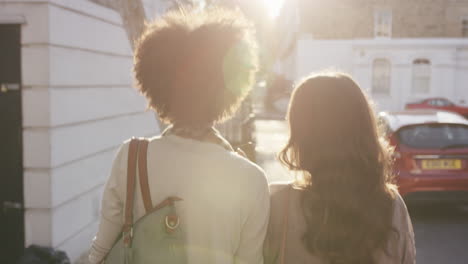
(434, 136)
(381, 76)
(446, 102)
(383, 23)
(442, 102)
(432, 102)
(465, 28)
(421, 76)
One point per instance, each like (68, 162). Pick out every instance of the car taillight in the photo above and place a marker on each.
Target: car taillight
(409, 164)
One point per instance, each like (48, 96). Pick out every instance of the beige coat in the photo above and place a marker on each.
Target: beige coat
(225, 207)
(402, 249)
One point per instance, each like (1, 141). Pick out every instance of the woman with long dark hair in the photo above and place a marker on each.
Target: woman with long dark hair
(344, 209)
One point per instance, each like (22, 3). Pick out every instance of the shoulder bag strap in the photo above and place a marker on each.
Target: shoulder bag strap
(285, 225)
(143, 175)
(131, 171)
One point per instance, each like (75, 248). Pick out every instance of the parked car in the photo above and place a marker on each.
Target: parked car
(431, 153)
(440, 104)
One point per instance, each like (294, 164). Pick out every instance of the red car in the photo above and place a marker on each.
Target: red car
(431, 153)
(439, 104)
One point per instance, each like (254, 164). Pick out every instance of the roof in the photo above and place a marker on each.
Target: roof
(411, 117)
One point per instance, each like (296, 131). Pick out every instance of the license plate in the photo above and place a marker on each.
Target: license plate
(441, 164)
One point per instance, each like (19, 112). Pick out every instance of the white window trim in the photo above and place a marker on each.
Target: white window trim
(463, 19)
(389, 92)
(429, 88)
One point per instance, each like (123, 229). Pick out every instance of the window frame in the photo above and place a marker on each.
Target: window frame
(383, 23)
(387, 75)
(417, 75)
(464, 27)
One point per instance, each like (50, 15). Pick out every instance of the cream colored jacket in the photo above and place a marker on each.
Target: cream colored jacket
(225, 207)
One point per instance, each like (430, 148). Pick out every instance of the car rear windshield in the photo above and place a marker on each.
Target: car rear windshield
(441, 136)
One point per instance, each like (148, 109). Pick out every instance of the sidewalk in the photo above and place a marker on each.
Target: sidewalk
(271, 136)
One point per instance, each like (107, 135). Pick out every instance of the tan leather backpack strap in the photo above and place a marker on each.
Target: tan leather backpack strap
(131, 174)
(143, 175)
(285, 225)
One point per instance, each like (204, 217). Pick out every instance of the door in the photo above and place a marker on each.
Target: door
(11, 165)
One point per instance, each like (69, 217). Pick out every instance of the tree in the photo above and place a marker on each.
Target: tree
(133, 14)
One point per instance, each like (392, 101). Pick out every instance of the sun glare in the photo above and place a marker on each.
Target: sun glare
(273, 7)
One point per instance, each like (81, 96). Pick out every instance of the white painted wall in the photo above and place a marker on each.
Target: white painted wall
(317, 55)
(449, 60)
(78, 106)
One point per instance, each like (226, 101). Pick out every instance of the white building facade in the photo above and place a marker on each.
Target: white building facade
(77, 106)
(399, 51)
(392, 71)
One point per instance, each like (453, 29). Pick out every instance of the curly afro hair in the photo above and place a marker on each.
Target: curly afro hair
(196, 67)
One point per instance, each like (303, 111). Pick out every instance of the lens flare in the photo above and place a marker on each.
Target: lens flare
(273, 7)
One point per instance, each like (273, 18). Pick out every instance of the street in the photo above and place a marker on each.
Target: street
(441, 231)
(441, 234)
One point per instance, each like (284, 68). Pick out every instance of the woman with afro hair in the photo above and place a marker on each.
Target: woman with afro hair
(195, 68)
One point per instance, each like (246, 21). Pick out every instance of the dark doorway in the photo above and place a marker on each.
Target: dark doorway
(11, 160)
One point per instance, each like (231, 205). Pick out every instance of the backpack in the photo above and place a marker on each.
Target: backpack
(158, 236)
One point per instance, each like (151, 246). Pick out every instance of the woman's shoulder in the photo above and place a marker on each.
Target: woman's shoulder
(398, 202)
(279, 197)
(279, 188)
(401, 219)
(231, 162)
(124, 146)
(280, 192)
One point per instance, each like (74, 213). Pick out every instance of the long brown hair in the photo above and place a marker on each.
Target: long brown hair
(347, 192)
